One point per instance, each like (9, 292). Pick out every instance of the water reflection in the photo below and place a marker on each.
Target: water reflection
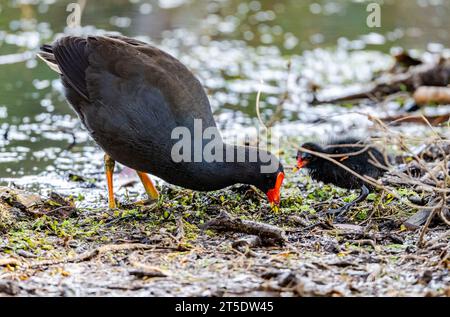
(230, 44)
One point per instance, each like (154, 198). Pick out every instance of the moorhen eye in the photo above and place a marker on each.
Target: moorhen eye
(350, 156)
(131, 96)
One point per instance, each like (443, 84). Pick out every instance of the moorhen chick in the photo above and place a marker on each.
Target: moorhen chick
(351, 152)
(132, 97)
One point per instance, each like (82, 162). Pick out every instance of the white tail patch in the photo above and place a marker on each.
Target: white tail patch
(50, 64)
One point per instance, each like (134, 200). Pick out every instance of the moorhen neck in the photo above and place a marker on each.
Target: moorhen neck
(131, 97)
(350, 152)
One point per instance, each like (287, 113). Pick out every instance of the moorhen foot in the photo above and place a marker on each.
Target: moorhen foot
(353, 153)
(132, 97)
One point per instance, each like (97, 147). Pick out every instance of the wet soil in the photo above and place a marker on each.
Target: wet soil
(165, 250)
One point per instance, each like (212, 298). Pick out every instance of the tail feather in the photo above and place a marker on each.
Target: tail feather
(47, 48)
(46, 54)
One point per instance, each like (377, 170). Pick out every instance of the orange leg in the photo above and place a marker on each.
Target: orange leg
(109, 170)
(151, 190)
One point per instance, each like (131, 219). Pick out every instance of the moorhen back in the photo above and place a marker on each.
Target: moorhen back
(353, 153)
(131, 96)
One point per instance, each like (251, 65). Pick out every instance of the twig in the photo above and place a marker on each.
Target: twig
(269, 234)
(280, 106)
(276, 116)
(258, 112)
(89, 255)
(419, 218)
(430, 74)
(9, 261)
(434, 120)
(427, 223)
(443, 215)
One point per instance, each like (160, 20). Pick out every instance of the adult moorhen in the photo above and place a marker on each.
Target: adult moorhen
(351, 152)
(131, 96)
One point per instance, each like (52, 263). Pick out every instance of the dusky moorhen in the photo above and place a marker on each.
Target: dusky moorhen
(351, 152)
(131, 96)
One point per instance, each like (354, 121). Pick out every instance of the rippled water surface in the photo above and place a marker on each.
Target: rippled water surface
(230, 45)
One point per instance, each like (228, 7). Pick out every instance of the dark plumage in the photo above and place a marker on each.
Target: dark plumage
(350, 152)
(130, 96)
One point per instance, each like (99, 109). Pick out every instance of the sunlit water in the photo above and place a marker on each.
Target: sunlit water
(234, 47)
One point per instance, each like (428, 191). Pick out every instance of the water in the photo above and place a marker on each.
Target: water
(230, 45)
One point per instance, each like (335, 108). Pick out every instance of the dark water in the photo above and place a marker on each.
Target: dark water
(231, 45)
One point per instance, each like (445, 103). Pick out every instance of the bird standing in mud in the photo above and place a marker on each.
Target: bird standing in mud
(354, 154)
(132, 96)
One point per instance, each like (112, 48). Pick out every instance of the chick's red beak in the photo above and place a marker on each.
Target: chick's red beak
(273, 195)
(301, 163)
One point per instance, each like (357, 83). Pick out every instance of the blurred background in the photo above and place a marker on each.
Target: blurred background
(230, 45)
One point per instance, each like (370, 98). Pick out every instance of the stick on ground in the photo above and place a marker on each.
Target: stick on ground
(89, 255)
(269, 234)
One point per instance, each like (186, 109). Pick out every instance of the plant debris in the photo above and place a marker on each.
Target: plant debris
(269, 234)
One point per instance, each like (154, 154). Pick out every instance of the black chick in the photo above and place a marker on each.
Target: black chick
(353, 153)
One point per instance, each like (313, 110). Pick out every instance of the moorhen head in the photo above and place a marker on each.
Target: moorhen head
(131, 97)
(351, 152)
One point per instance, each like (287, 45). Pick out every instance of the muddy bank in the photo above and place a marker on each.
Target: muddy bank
(165, 250)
